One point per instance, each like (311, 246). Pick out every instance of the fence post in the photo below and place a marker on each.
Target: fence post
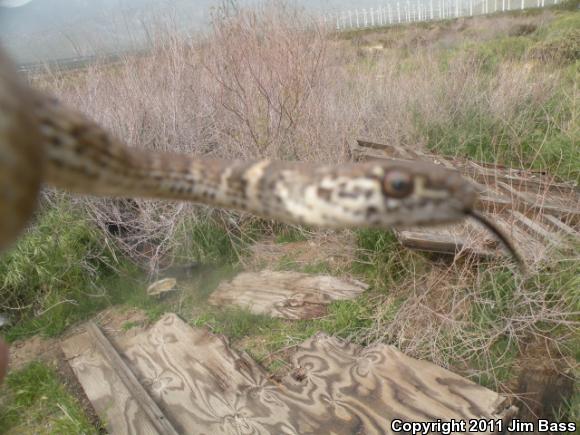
(522, 5)
(365, 18)
(357, 20)
(471, 8)
(399, 12)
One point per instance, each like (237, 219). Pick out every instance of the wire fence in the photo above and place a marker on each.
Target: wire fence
(407, 11)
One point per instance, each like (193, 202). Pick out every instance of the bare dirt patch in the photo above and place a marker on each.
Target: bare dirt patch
(35, 348)
(544, 382)
(338, 250)
(114, 321)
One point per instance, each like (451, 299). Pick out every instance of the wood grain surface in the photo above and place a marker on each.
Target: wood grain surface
(117, 407)
(203, 386)
(290, 295)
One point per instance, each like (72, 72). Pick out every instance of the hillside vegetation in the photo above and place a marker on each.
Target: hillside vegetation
(501, 88)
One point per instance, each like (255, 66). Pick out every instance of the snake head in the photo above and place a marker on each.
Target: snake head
(377, 194)
(383, 194)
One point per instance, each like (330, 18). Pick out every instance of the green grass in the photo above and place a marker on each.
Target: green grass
(502, 297)
(382, 261)
(34, 401)
(269, 335)
(289, 234)
(60, 272)
(541, 131)
(206, 242)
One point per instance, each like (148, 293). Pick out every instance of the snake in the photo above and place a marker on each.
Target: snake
(44, 142)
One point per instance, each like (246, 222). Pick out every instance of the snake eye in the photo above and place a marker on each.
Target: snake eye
(398, 184)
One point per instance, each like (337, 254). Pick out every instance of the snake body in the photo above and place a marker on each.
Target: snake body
(43, 141)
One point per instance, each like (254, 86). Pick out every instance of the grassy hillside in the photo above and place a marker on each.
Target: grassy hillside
(500, 88)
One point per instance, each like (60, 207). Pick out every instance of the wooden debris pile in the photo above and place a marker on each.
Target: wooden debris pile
(176, 379)
(533, 209)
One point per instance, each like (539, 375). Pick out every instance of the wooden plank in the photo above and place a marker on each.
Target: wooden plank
(430, 241)
(531, 248)
(535, 228)
(112, 400)
(387, 149)
(464, 237)
(557, 224)
(525, 202)
(143, 399)
(525, 180)
(289, 295)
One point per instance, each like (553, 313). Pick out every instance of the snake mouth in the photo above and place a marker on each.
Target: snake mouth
(505, 240)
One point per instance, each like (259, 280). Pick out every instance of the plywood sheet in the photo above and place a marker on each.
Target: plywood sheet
(290, 295)
(204, 386)
(199, 382)
(366, 388)
(114, 402)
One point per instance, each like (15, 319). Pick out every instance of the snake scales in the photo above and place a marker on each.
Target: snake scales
(42, 141)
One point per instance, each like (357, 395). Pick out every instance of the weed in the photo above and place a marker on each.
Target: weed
(382, 260)
(34, 401)
(290, 234)
(207, 242)
(59, 272)
(234, 323)
(129, 325)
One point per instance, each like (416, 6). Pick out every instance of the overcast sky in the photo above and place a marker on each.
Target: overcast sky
(38, 30)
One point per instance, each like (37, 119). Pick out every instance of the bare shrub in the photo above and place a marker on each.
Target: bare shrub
(456, 317)
(268, 82)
